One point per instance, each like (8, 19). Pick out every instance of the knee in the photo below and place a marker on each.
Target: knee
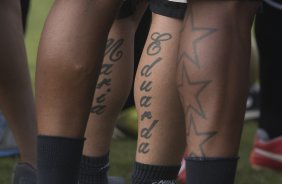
(80, 69)
(65, 65)
(77, 68)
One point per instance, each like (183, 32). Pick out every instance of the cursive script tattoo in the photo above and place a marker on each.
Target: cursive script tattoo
(154, 48)
(114, 53)
(145, 102)
(112, 48)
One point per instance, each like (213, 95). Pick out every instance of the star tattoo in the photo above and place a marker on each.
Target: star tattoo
(190, 92)
(197, 34)
(203, 137)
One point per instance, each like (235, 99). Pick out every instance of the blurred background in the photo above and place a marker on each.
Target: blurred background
(124, 139)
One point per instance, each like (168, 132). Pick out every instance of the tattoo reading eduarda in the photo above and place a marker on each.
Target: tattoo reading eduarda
(114, 52)
(145, 102)
(153, 50)
(154, 47)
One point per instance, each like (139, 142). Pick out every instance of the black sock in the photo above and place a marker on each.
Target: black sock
(94, 170)
(200, 170)
(58, 159)
(268, 35)
(151, 174)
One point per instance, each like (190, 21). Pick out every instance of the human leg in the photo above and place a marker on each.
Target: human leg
(16, 97)
(161, 139)
(112, 90)
(69, 60)
(113, 85)
(212, 79)
(267, 146)
(140, 39)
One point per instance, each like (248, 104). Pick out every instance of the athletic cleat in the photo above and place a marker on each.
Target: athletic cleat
(266, 153)
(182, 172)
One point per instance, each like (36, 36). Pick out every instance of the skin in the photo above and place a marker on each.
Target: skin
(114, 83)
(16, 96)
(69, 61)
(212, 72)
(155, 91)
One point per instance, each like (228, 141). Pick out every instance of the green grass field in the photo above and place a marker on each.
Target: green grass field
(122, 157)
(123, 150)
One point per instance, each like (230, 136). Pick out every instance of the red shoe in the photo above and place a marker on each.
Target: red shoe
(266, 153)
(182, 172)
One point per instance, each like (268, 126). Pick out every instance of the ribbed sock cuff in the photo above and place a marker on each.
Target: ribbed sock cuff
(202, 170)
(94, 170)
(58, 159)
(148, 174)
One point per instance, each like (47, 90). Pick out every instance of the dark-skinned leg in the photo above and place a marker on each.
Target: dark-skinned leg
(16, 96)
(69, 60)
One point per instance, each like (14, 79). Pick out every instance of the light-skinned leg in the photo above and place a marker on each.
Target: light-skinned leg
(161, 135)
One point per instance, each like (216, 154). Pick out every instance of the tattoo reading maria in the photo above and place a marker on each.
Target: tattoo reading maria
(145, 101)
(114, 52)
(112, 49)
